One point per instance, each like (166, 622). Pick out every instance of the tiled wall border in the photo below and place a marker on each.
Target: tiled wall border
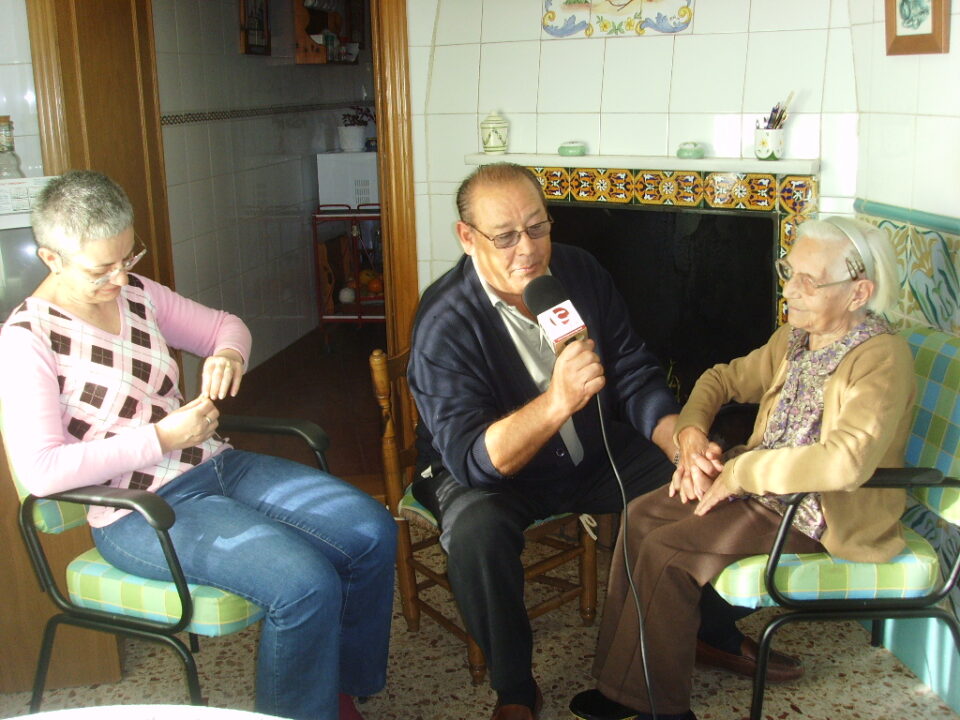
(211, 115)
(790, 199)
(931, 221)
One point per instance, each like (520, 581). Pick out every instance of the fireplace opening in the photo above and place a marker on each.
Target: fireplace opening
(700, 285)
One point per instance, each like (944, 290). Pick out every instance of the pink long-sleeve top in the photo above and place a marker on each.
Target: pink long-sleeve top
(79, 404)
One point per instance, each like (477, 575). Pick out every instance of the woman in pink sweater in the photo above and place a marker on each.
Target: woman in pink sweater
(90, 396)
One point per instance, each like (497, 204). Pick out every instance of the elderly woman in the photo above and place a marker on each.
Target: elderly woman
(835, 393)
(90, 396)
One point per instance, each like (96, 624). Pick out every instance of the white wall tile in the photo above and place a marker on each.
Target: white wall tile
(936, 181)
(766, 52)
(722, 90)
(221, 146)
(213, 32)
(839, 14)
(168, 83)
(862, 37)
(175, 154)
(839, 81)
(780, 15)
(228, 252)
(185, 268)
(829, 205)
(506, 20)
(458, 22)
(885, 171)
(421, 202)
(444, 244)
(424, 275)
(181, 220)
(451, 137)
(189, 33)
(165, 27)
(571, 73)
(634, 134)
(197, 141)
(31, 158)
(556, 128)
(937, 94)
(626, 61)
(418, 136)
(509, 73)
(14, 34)
(18, 97)
(861, 11)
(419, 72)
(193, 89)
(801, 138)
(839, 151)
(421, 19)
(439, 267)
(720, 133)
(454, 79)
(206, 248)
(894, 79)
(729, 16)
(523, 133)
(201, 206)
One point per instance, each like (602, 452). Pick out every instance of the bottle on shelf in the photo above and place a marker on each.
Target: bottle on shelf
(9, 161)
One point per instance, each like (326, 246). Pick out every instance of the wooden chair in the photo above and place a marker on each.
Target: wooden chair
(399, 463)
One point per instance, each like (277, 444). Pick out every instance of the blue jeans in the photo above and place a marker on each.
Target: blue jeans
(313, 551)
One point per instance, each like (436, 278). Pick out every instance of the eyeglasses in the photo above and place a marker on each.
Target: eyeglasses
(509, 239)
(135, 256)
(808, 286)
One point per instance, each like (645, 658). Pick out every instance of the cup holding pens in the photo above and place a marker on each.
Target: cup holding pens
(768, 143)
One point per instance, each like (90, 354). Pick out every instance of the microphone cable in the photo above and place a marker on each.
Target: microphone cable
(624, 526)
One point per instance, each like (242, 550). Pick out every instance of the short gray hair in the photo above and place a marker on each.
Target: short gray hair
(866, 246)
(79, 206)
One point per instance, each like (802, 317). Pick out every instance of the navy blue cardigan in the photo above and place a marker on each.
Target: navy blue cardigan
(465, 374)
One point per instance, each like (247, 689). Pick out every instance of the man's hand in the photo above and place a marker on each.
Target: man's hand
(700, 462)
(577, 377)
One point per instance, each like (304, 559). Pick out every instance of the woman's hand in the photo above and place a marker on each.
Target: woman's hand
(188, 425)
(700, 462)
(718, 492)
(221, 375)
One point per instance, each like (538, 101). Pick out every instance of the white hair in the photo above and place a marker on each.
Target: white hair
(867, 247)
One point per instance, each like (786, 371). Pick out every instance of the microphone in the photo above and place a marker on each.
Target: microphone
(545, 297)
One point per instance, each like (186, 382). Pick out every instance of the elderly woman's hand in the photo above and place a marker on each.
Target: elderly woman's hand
(718, 492)
(698, 465)
(221, 375)
(188, 425)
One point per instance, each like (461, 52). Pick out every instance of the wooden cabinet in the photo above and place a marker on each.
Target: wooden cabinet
(328, 31)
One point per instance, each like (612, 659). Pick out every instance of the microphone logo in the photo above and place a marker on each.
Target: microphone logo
(562, 324)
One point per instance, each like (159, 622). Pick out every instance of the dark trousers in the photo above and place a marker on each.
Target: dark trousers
(675, 554)
(482, 534)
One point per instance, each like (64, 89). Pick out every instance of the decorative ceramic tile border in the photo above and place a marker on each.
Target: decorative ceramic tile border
(928, 256)
(563, 18)
(789, 199)
(211, 115)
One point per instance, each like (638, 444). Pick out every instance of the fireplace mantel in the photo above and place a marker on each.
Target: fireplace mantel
(653, 162)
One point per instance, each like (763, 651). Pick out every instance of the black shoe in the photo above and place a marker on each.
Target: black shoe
(594, 705)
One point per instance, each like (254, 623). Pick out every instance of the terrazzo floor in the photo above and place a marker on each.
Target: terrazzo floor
(427, 680)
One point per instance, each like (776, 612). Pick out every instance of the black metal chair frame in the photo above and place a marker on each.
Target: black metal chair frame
(161, 517)
(875, 610)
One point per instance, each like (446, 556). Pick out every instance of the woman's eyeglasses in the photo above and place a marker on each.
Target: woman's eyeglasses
(509, 239)
(135, 256)
(808, 286)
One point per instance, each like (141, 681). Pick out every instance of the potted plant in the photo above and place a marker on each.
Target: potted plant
(353, 131)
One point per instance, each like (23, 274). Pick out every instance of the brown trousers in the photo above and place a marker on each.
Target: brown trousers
(673, 553)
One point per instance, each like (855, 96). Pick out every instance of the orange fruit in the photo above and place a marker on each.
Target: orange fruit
(375, 286)
(366, 276)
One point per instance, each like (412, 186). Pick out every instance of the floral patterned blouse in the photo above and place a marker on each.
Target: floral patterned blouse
(796, 419)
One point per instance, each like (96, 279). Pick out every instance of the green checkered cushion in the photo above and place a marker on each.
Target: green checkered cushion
(935, 435)
(820, 576)
(96, 584)
(410, 508)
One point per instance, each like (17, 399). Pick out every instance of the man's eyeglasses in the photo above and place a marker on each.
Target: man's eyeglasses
(808, 286)
(509, 239)
(135, 256)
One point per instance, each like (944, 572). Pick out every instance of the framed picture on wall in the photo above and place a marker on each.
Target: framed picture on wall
(917, 26)
(254, 27)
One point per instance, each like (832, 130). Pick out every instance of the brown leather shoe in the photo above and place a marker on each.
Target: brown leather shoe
(780, 667)
(518, 712)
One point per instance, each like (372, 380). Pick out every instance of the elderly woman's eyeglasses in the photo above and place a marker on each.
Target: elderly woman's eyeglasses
(786, 273)
(509, 239)
(135, 256)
